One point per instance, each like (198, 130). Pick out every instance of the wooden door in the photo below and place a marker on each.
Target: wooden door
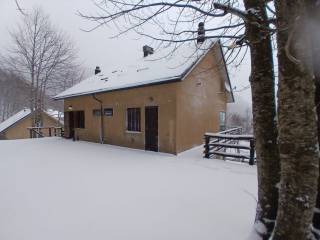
(71, 124)
(151, 128)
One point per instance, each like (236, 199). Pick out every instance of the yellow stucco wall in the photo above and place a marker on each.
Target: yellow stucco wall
(20, 131)
(200, 98)
(115, 132)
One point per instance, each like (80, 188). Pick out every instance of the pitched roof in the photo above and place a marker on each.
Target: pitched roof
(161, 67)
(22, 115)
(14, 119)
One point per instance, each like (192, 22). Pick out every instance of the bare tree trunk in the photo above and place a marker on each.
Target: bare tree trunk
(298, 142)
(264, 113)
(316, 216)
(315, 15)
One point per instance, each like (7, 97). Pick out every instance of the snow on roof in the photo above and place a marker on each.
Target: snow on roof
(162, 66)
(13, 119)
(57, 115)
(24, 113)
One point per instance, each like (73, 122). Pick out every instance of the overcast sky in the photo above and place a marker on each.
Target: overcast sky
(95, 48)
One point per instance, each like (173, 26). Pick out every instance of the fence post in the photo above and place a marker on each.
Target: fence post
(251, 161)
(30, 132)
(50, 132)
(206, 146)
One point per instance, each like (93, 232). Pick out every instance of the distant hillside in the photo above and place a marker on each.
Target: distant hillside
(14, 95)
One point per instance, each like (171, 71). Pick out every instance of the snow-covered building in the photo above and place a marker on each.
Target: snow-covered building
(16, 127)
(164, 102)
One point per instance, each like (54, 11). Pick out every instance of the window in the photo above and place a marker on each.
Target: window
(222, 121)
(108, 112)
(133, 119)
(79, 119)
(96, 112)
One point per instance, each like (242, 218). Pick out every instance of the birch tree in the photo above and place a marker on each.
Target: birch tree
(40, 53)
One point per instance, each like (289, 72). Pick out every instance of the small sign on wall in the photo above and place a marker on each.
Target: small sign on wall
(108, 112)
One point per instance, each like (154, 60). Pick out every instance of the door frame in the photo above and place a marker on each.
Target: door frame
(145, 127)
(71, 124)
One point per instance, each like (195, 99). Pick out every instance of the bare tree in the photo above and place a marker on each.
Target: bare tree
(41, 54)
(240, 25)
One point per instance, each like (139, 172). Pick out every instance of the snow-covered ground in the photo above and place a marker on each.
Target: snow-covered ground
(56, 189)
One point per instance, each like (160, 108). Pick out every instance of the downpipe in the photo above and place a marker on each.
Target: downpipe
(101, 119)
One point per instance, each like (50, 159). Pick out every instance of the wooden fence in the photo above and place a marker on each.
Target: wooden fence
(39, 132)
(218, 144)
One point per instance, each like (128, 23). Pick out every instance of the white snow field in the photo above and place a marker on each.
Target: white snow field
(56, 189)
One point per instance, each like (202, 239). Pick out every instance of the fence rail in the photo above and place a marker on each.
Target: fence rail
(39, 132)
(218, 144)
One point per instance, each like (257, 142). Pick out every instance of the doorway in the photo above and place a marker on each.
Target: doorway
(71, 124)
(151, 128)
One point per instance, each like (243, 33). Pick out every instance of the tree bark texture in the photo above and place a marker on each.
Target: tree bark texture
(264, 116)
(315, 25)
(316, 216)
(298, 141)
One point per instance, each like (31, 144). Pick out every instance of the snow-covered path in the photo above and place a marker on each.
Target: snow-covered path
(56, 189)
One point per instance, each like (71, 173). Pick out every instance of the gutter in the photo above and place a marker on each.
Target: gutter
(154, 82)
(101, 119)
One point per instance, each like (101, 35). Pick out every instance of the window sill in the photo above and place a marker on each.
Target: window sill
(133, 132)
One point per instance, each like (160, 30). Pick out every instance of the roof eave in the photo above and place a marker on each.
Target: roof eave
(165, 81)
(227, 72)
(168, 80)
(189, 70)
